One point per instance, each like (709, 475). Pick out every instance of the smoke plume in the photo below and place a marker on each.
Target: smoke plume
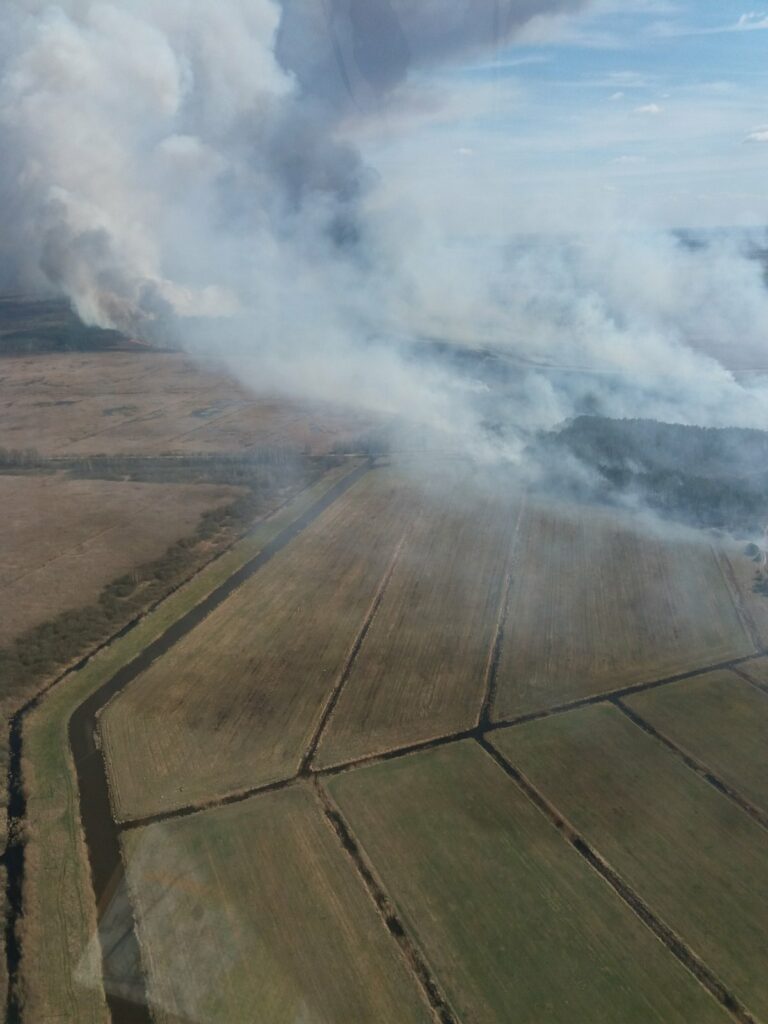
(192, 171)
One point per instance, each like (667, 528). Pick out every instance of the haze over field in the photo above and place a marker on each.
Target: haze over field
(303, 189)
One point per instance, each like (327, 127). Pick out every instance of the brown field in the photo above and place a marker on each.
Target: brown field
(63, 539)
(597, 605)
(147, 403)
(695, 857)
(252, 914)
(421, 671)
(720, 720)
(515, 925)
(235, 704)
(750, 589)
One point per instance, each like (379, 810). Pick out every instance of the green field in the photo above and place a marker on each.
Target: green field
(514, 923)
(757, 670)
(597, 604)
(253, 914)
(421, 672)
(59, 919)
(720, 720)
(698, 860)
(234, 704)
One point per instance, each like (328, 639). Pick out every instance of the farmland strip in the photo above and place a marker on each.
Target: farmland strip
(673, 942)
(254, 913)
(747, 619)
(602, 603)
(387, 910)
(511, 921)
(497, 643)
(694, 764)
(333, 699)
(691, 854)
(415, 748)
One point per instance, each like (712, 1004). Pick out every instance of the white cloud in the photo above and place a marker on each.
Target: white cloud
(759, 134)
(617, 96)
(750, 22)
(652, 109)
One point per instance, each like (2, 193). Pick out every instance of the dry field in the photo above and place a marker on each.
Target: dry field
(749, 586)
(516, 926)
(721, 721)
(597, 605)
(697, 859)
(421, 671)
(235, 704)
(252, 914)
(147, 403)
(63, 540)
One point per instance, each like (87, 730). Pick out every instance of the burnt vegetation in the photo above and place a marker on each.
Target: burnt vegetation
(707, 477)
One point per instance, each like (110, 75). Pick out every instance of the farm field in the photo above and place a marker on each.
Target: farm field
(235, 704)
(720, 720)
(64, 539)
(515, 925)
(697, 859)
(597, 605)
(421, 671)
(749, 586)
(253, 913)
(145, 403)
(59, 919)
(757, 669)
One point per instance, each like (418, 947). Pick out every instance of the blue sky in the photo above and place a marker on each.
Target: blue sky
(641, 113)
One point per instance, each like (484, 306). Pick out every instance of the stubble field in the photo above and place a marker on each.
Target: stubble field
(236, 703)
(599, 604)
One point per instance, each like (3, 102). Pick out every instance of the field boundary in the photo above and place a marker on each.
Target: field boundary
(624, 691)
(386, 909)
(762, 687)
(701, 769)
(743, 613)
(473, 733)
(349, 663)
(497, 640)
(679, 949)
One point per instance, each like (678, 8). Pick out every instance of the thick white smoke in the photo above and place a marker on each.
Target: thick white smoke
(189, 169)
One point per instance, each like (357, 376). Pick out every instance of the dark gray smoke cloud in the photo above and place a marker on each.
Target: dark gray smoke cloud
(351, 53)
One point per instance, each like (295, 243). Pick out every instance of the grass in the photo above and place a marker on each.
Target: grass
(697, 859)
(514, 923)
(59, 913)
(720, 720)
(421, 671)
(252, 913)
(597, 605)
(66, 539)
(235, 704)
